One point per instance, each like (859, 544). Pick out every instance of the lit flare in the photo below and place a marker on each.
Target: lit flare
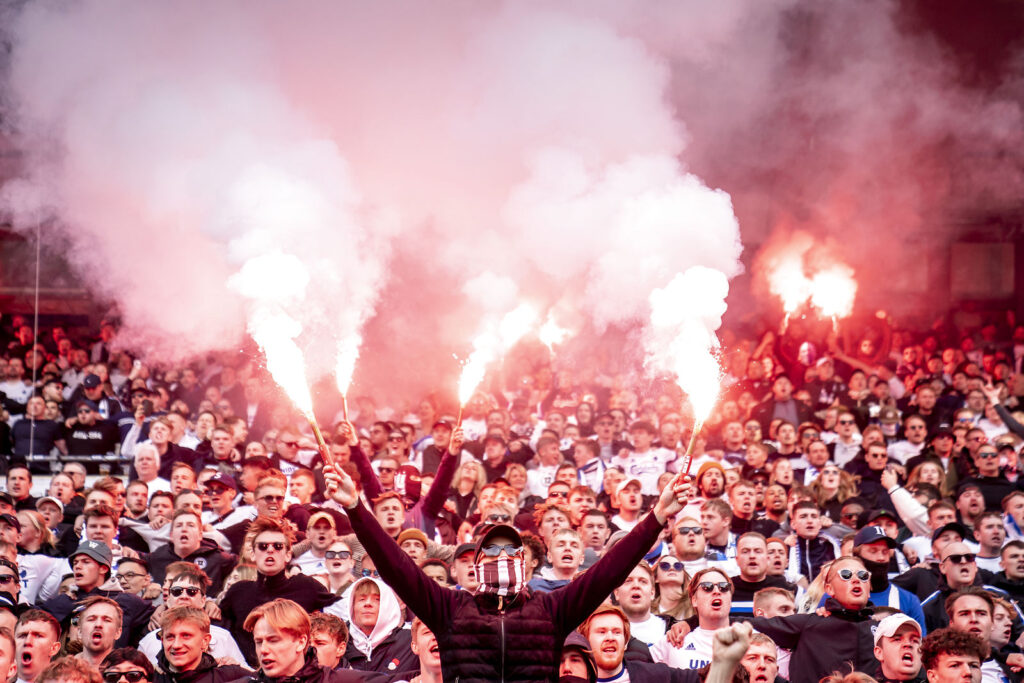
(489, 346)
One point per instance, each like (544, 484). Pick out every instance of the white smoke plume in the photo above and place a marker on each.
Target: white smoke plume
(425, 164)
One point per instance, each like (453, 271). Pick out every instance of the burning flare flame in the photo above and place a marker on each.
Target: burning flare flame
(551, 333)
(273, 282)
(348, 354)
(684, 317)
(490, 345)
(802, 271)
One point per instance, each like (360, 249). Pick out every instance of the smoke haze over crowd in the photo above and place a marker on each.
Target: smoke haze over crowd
(431, 165)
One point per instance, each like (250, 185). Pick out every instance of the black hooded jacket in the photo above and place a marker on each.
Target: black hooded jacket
(207, 672)
(822, 645)
(244, 596)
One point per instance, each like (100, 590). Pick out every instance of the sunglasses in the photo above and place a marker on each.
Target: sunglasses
(670, 566)
(178, 591)
(710, 586)
(687, 530)
(987, 454)
(558, 494)
(966, 558)
(337, 554)
(494, 550)
(386, 470)
(264, 547)
(371, 573)
(848, 574)
(846, 422)
(499, 518)
(272, 499)
(131, 676)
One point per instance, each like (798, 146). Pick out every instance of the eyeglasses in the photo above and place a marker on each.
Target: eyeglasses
(265, 547)
(710, 586)
(848, 574)
(7, 578)
(687, 530)
(671, 566)
(337, 554)
(272, 499)
(131, 676)
(494, 550)
(965, 558)
(499, 518)
(371, 573)
(847, 422)
(386, 470)
(178, 591)
(128, 576)
(987, 454)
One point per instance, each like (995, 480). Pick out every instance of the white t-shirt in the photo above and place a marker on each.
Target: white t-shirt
(650, 630)
(539, 479)
(646, 467)
(310, 564)
(695, 652)
(623, 524)
(221, 645)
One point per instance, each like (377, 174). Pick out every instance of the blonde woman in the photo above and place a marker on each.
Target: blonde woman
(465, 494)
(36, 537)
(832, 488)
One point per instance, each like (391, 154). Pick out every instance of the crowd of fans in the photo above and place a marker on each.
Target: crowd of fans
(852, 511)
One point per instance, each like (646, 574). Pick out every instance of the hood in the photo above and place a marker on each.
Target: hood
(388, 618)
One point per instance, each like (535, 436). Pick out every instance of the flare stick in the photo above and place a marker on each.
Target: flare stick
(325, 452)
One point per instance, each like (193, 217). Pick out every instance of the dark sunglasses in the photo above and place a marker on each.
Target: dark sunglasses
(273, 499)
(178, 591)
(966, 558)
(496, 519)
(337, 554)
(371, 573)
(558, 494)
(987, 454)
(671, 566)
(264, 547)
(131, 676)
(386, 470)
(710, 586)
(848, 574)
(687, 530)
(494, 550)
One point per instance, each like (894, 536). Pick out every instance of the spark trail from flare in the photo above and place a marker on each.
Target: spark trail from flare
(348, 354)
(272, 283)
(490, 345)
(684, 317)
(551, 333)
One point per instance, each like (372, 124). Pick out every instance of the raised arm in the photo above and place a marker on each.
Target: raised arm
(438, 492)
(423, 595)
(368, 478)
(574, 602)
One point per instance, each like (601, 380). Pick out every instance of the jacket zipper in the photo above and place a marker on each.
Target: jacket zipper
(501, 621)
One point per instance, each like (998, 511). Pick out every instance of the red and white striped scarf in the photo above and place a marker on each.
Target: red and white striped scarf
(503, 577)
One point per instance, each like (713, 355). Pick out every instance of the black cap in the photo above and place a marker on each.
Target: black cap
(463, 549)
(91, 381)
(882, 512)
(225, 480)
(91, 405)
(498, 530)
(952, 526)
(11, 520)
(872, 534)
